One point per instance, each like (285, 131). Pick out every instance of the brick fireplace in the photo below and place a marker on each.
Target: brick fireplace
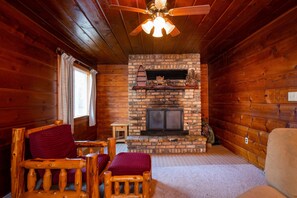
(187, 99)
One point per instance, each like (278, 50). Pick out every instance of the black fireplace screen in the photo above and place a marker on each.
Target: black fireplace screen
(164, 119)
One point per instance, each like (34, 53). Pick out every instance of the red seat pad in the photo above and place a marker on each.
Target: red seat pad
(130, 164)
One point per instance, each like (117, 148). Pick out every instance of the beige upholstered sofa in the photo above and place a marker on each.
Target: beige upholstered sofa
(280, 166)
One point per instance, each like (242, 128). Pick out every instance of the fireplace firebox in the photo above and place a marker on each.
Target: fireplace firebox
(169, 121)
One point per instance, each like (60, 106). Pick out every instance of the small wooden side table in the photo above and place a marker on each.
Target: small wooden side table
(120, 131)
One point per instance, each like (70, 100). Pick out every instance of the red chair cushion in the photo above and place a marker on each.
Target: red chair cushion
(130, 164)
(58, 142)
(103, 159)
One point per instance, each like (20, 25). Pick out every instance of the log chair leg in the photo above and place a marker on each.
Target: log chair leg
(107, 184)
(17, 156)
(111, 148)
(92, 175)
(146, 184)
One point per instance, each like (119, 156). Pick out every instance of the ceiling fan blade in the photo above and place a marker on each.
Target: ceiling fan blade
(129, 9)
(160, 4)
(138, 29)
(175, 31)
(190, 10)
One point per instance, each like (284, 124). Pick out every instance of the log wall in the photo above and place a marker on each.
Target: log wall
(82, 130)
(249, 87)
(28, 83)
(112, 97)
(204, 92)
(28, 79)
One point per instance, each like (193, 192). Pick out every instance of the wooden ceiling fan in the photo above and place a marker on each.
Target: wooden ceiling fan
(157, 9)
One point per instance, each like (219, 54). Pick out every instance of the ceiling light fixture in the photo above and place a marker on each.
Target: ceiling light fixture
(168, 27)
(157, 32)
(148, 26)
(158, 24)
(158, 11)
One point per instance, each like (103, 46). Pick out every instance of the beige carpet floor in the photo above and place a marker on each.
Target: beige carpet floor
(214, 155)
(205, 181)
(216, 174)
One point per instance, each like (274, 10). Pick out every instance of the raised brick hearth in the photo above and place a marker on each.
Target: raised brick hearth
(187, 99)
(167, 144)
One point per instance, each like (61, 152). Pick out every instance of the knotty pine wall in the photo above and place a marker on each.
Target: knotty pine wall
(112, 97)
(204, 91)
(82, 130)
(28, 83)
(28, 78)
(249, 86)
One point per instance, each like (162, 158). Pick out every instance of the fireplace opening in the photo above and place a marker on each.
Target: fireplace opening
(174, 74)
(168, 121)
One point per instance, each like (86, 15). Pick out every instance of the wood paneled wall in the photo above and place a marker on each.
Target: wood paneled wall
(82, 130)
(249, 87)
(28, 83)
(28, 79)
(204, 92)
(112, 97)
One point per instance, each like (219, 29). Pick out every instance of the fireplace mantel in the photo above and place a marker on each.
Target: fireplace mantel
(163, 87)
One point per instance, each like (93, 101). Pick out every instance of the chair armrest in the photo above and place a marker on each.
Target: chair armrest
(66, 163)
(90, 145)
(110, 144)
(87, 143)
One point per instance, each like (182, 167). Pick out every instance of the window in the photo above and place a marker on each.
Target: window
(81, 91)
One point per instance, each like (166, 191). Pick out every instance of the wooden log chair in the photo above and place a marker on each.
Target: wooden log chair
(59, 163)
(129, 175)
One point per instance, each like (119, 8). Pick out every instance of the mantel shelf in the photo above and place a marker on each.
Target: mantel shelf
(163, 87)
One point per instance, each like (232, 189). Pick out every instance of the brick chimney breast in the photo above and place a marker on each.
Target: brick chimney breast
(140, 100)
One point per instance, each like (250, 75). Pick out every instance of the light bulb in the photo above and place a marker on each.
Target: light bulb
(159, 22)
(160, 4)
(157, 32)
(168, 27)
(147, 27)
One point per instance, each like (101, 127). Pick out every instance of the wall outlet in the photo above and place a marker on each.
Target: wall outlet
(246, 140)
(292, 96)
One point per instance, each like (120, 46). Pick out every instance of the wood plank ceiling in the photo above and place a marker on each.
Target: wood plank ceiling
(92, 31)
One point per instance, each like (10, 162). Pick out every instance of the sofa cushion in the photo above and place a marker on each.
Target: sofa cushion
(130, 164)
(281, 161)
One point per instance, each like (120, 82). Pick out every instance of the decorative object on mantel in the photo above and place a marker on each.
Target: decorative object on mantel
(141, 77)
(160, 80)
(192, 78)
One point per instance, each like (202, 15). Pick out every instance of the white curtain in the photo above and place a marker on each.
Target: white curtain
(92, 107)
(65, 89)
